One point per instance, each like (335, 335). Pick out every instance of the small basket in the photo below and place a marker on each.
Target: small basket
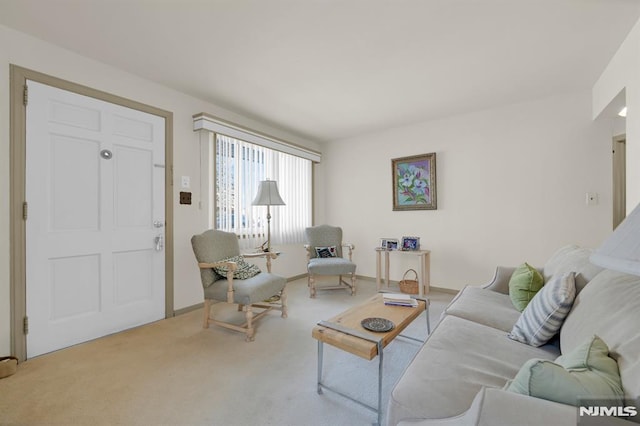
(8, 366)
(409, 286)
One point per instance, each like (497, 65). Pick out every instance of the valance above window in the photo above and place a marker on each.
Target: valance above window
(213, 124)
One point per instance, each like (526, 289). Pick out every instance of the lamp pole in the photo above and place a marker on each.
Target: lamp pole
(269, 228)
(268, 195)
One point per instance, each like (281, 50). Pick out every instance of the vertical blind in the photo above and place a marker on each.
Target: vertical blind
(240, 166)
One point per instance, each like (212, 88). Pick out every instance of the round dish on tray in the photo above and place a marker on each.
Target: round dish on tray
(379, 325)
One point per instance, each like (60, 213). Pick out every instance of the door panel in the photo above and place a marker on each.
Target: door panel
(79, 276)
(68, 210)
(133, 272)
(92, 263)
(133, 178)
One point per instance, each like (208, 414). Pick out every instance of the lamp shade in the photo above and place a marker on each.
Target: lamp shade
(268, 194)
(621, 251)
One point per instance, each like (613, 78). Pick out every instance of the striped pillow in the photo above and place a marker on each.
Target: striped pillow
(544, 315)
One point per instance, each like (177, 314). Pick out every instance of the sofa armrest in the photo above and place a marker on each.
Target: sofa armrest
(500, 280)
(493, 406)
(500, 407)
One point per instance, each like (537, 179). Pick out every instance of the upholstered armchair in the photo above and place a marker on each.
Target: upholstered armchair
(227, 277)
(325, 257)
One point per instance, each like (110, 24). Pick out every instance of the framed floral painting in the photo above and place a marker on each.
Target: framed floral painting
(414, 182)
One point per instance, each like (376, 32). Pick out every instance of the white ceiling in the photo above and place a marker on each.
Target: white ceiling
(331, 69)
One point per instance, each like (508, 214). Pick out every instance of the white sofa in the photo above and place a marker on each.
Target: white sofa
(459, 375)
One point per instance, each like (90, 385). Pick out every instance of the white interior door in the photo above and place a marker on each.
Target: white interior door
(95, 227)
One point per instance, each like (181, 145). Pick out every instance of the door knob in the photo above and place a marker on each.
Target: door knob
(158, 224)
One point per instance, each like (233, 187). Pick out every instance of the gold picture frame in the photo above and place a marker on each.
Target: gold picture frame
(414, 182)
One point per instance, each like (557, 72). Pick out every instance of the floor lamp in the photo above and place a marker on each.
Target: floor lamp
(268, 195)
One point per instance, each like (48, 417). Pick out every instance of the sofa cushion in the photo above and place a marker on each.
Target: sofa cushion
(610, 308)
(525, 282)
(486, 307)
(544, 316)
(572, 258)
(446, 374)
(586, 372)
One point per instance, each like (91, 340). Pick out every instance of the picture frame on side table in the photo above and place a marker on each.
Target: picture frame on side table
(410, 243)
(414, 182)
(389, 243)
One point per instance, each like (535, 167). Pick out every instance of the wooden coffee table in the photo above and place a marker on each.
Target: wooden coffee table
(345, 332)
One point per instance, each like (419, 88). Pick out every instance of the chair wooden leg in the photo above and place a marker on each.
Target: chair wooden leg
(250, 330)
(353, 284)
(283, 301)
(312, 286)
(207, 312)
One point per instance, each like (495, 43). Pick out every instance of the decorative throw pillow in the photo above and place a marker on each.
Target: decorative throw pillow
(585, 372)
(525, 282)
(543, 317)
(330, 251)
(245, 269)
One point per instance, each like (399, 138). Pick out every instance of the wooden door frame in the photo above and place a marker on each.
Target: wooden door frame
(617, 141)
(17, 173)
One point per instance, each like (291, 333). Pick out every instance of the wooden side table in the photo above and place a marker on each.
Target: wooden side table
(424, 257)
(268, 254)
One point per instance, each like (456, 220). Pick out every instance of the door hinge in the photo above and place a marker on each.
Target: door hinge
(25, 210)
(25, 95)
(25, 325)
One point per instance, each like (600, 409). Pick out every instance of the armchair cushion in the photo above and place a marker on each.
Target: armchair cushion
(325, 252)
(324, 236)
(243, 271)
(331, 266)
(252, 290)
(210, 247)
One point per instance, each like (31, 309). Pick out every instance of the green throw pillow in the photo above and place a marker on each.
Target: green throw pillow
(245, 269)
(525, 282)
(585, 372)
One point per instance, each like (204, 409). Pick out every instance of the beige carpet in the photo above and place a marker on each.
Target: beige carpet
(174, 372)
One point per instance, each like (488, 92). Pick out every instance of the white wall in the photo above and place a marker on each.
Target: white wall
(22, 50)
(511, 180)
(623, 73)
(511, 187)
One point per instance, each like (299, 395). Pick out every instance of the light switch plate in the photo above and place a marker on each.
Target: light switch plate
(592, 198)
(186, 182)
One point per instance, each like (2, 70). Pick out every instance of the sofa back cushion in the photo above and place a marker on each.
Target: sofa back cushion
(610, 308)
(572, 258)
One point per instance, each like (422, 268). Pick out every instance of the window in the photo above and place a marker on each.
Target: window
(239, 168)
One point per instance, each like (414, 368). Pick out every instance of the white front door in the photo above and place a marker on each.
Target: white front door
(95, 226)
